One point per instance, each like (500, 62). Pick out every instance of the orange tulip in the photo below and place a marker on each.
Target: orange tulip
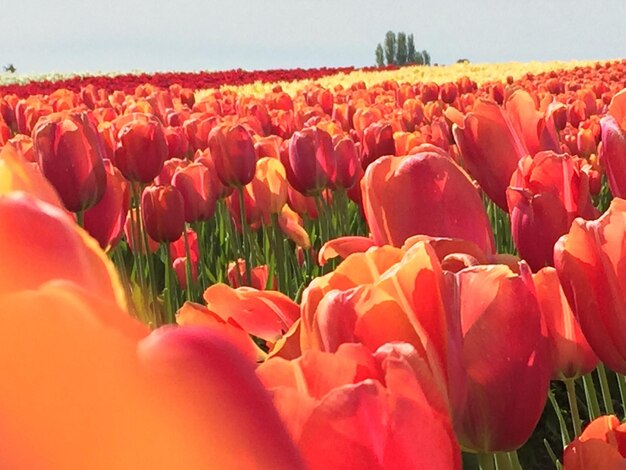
(291, 225)
(601, 445)
(195, 184)
(70, 152)
(236, 275)
(572, 355)
(424, 193)
(265, 314)
(490, 148)
(588, 260)
(269, 187)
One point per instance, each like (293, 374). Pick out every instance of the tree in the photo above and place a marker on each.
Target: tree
(426, 56)
(390, 47)
(411, 57)
(401, 49)
(380, 55)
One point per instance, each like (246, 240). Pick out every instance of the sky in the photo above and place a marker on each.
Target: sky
(45, 36)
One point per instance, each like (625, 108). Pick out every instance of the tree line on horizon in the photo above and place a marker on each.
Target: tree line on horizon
(399, 49)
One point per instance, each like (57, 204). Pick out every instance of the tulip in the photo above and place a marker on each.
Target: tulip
(105, 220)
(613, 153)
(262, 313)
(66, 253)
(424, 193)
(291, 225)
(70, 152)
(163, 213)
(490, 148)
(233, 154)
(572, 355)
(507, 357)
(236, 275)
(588, 260)
(311, 162)
(377, 142)
(142, 148)
(130, 235)
(199, 194)
(340, 409)
(19, 175)
(546, 194)
(269, 187)
(347, 171)
(601, 445)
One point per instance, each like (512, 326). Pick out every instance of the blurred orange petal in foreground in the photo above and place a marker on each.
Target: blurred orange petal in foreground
(84, 385)
(16, 174)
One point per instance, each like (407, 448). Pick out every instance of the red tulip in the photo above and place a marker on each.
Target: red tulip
(142, 147)
(490, 148)
(347, 171)
(425, 193)
(358, 409)
(311, 162)
(589, 261)
(546, 194)
(233, 154)
(163, 213)
(69, 153)
(105, 220)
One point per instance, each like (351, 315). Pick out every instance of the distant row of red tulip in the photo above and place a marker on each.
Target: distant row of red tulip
(430, 336)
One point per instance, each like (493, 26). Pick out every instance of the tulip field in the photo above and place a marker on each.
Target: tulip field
(337, 268)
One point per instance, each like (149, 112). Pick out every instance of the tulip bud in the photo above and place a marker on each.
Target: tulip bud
(310, 163)
(233, 153)
(269, 186)
(199, 194)
(162, 210)
(105, 220)
(347, 157)
(142, 148)
(70, 153)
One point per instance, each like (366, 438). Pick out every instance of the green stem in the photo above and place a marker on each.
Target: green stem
(169, 302)
(246, 252)
(190, 282)
(606, 392)
(591, 397)
(485, 461)
(502, 461)
(570, 385)
(565, 439)
(621, 382)
(515, 463)
(80, 219)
